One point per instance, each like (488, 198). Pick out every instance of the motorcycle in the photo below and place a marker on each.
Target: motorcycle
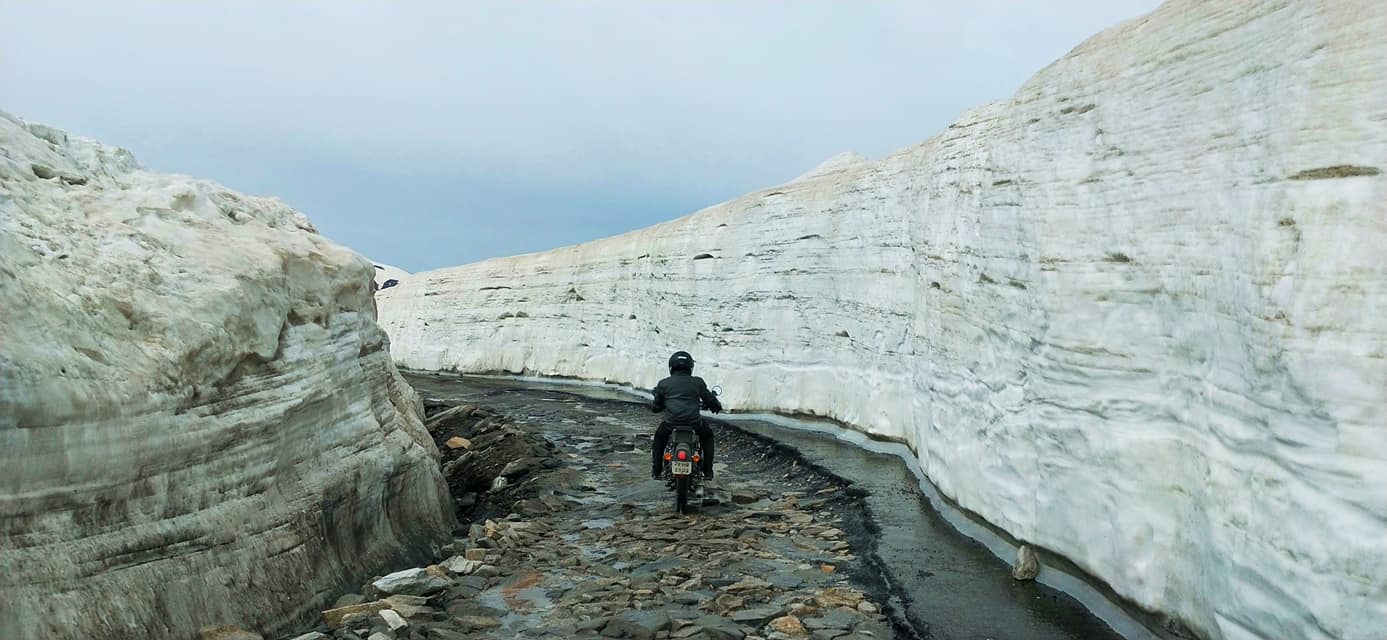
(682, 457)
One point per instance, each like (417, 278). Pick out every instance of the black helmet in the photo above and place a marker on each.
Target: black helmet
(681, 361)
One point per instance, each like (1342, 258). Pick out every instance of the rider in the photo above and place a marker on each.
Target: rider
(680, 396)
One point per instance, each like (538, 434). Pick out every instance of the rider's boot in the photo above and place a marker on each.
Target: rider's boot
(707, 483)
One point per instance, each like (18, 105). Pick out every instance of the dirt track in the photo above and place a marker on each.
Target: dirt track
(579, 541)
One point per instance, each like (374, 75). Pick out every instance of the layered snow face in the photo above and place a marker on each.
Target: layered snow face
(199, 420)
(1136, 314)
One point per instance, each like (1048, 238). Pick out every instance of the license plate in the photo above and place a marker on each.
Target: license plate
(681, 468)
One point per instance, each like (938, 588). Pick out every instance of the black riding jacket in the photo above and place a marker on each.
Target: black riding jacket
(680, 396)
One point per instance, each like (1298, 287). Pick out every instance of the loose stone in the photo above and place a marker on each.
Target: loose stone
(458, 565)
(456, 442)
(312, 635)
(414, 582)
(719, 628)
(476, 623)
(788, 625)
(227, 632)
(1027, 564)
(393, 620)
(335, 618)
(756, 617)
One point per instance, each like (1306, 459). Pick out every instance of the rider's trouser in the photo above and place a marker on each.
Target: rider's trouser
(705, 442)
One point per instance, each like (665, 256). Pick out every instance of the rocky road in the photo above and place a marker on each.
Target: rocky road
(567, 536)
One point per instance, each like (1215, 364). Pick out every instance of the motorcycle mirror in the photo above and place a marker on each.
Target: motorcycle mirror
(717, 390)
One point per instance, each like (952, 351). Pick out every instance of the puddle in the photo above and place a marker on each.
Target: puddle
(522, 600)
(595, 500)
(576, 540)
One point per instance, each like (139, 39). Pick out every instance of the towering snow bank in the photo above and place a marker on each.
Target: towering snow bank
(1136, 314)
(199, 422)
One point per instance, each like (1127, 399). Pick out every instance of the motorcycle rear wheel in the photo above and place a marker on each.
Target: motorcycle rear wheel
(681, 494)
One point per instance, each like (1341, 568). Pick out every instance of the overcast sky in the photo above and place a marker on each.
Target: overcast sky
(429, 134)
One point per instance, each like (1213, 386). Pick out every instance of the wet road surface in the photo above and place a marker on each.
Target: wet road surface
(940, 583)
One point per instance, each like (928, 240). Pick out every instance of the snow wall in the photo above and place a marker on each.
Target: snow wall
(199, 420)
(1136, 314)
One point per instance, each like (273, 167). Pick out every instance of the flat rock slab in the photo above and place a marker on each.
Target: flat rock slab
(656, 567)
(478, 623)
(638, 625)
(757, 617)
(414, 582)
(335, 617)
(834, 619)
(786, 580)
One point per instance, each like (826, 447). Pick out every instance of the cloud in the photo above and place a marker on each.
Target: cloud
(594, 100)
